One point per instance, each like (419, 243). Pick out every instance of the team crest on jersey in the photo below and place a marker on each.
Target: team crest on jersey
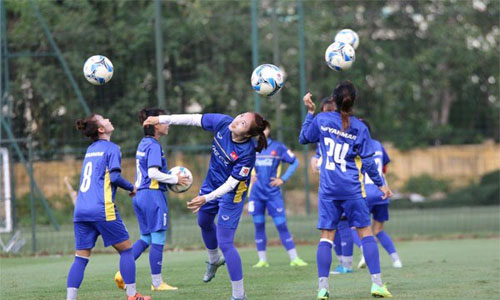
(234, 156)
(274, 153)
(244, 171)
(219, 136)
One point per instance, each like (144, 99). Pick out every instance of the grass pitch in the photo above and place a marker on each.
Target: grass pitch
(437, 269)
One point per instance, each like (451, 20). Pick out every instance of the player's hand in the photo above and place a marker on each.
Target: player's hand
(151, 121)
(314, 164)
(195, 204)
(132, 193)
(311, 107)
(387, 192)
(276, 181)
(183, 179)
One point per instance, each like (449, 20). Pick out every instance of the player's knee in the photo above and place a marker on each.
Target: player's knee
(259, 219)
(279, 221)
(205, 221)
(146, 238)
(158, 237)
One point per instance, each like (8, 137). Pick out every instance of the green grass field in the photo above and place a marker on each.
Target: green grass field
(436, 269)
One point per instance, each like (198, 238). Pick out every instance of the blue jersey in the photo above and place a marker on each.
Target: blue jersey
(373, 194)
(342, 151)
(95, 201)
(268, 164)
(149, 154)
(228, 158)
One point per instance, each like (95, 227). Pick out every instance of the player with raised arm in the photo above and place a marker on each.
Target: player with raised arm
(150, 203)
(95, 211)
(224, 189)
(265, 192)
(345, 142)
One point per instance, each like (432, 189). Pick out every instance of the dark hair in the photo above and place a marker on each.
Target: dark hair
(149, 112)
(367, 125)
(344, 95)
(88, 127)
(257, 129)
(327, 104)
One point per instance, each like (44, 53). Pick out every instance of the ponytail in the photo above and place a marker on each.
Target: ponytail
(88, 127)
(149, 130)
(257, 129)
(344, 95)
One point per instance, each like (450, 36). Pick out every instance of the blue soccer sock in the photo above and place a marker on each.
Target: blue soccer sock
(285, 237)
(127, 266)
(208, 229)
(355, 237)
(156, 258)
(386, 242)
(324, 257)
(338, 247)
(346, 243)
(139, 247)
(75, 275)
(233, 260)
(370, 251)
(260, 235)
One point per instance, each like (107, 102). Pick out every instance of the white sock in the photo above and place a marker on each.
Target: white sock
(131, 290)
(262, 255)
(293, 254)
(238, 289)
(156, 280)
(394, 256)
(71, 293)
(341, 259)
(213, 255)
(323, 283)
(377, 279)
(347, 262)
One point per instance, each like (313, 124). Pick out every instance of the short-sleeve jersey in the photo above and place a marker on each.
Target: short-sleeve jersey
(342, 151)
(149, 154)
(373, 194)
(95, 200)
(228, 158)
(268, 164)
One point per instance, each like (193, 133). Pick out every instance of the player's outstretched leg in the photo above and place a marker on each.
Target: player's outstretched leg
(209, 236)
(75, 276)
(324, 260)
(260, 240)
(137, 249)
(287, 242)
(386, 242)
(225, 237)
(127, 269)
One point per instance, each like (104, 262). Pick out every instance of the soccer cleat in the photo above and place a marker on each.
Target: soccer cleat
(397, 264)
(341, 270)
(164, 287)
(244, 298)
(138, 297)
(380, 291)
(119, 280)
(261, 264)
(362, 263)
(298, 262)
(323, 294)
(212, 268)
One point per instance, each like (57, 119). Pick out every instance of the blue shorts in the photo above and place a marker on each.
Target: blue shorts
(151, 210)
(380, 212)
(229, 212)
(112, 232)
(330, 212)
(275, 207)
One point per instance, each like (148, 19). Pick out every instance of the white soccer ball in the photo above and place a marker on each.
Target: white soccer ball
(348, 36)
(267, 79)
(340, 56)
(98, 69)
(178, 188)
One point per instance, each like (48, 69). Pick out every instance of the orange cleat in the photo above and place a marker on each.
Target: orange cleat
(138, 297)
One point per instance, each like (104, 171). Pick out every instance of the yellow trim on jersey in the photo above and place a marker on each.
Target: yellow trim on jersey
(253, 173)
(359, 164)
(154, 184)
(278, 170)
(242, 187)
(109, 206)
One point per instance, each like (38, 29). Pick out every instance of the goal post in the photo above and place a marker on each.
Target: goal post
(5, 192)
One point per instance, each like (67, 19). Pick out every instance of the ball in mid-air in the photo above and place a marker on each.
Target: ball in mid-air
(267, 79)
(98, 69)
(348, 36)
(340, 56)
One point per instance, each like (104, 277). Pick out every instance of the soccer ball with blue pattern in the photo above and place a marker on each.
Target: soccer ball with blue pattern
(98, 69)
(178, 188)
(340, 56)
(348, 36)
(267, 80)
